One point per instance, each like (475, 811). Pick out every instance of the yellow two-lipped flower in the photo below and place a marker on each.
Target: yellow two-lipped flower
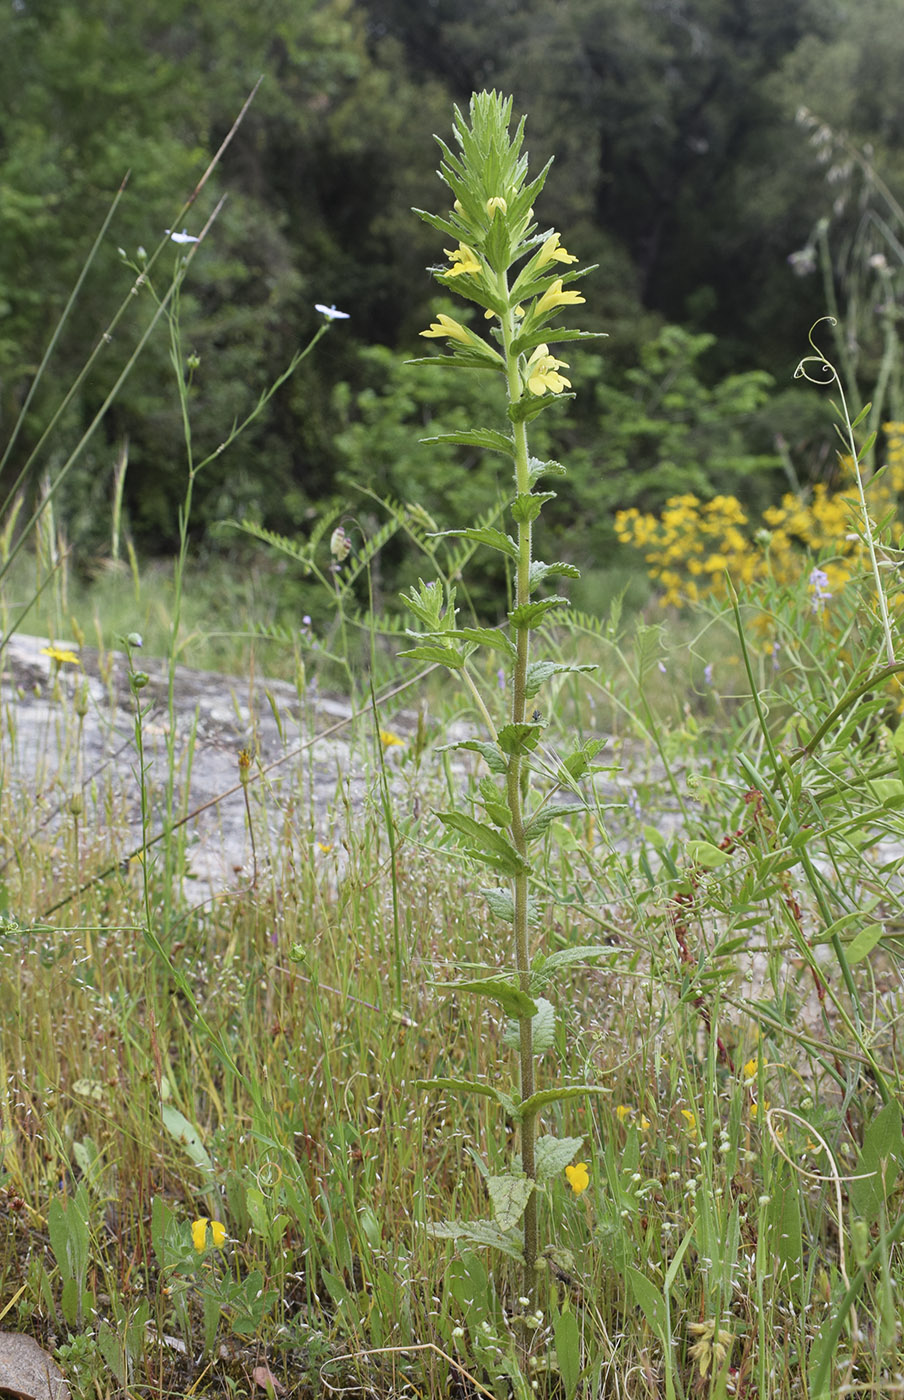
(552, 251)
(450, 328)
(543, 372)
(578, 1177)
(199, 1233)
(554, 297)
(463, 260)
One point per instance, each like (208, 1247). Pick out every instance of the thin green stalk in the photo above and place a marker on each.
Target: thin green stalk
(515, 794)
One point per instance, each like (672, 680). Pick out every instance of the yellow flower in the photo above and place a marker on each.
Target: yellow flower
(691, 1120)
(552, 251)
(464, 261)
(578, 1177)
(61, 656)
(750, 1069)
(497, 202)
(389, 740)
(542, 372)
(447, 326)
(322, 846)
(554, 297)
(623, 1111)
(199, 1233)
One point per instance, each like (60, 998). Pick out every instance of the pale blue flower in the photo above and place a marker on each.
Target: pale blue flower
(330, 312)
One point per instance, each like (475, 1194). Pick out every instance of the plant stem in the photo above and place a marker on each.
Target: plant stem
(515, 794)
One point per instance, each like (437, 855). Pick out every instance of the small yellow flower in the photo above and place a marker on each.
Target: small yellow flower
(753, 1110)
(322, 846)
(390, 740)
(691, 1120)
(199, 1233)
(464, 261)
(448, 327)
(61, 656)
(497, 202)
(750, 1069)
(244, 766)
(623, 1111)
(578, 1177)
(554, 297)
(551, 251)
(542, 372)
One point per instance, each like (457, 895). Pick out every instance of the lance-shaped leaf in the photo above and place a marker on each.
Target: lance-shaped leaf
(527, 506)
(537, 468)
(545, 968)
(509, 1196)
(459, 1086)
(519, 738)
(531, 405)
(489, 637)
(540, 571)
(502, 905)
(438, 656)
(487, 438)
(463, 359)
(552, 335)
(485, 1234)
(552, 812)
(552, 1155)
(489, 752)
(485, 844)
(529, 1107)
(543, 1029)
(532, 614)
(577, 764)
(484, 534)
(513, 1001)
(538, 672)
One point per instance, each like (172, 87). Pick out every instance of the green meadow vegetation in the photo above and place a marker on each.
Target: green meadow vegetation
(570, 1066)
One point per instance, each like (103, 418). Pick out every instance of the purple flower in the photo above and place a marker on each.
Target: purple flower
(818, 584)
(708, 673)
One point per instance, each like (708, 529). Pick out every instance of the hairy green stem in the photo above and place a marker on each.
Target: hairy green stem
(515, 795)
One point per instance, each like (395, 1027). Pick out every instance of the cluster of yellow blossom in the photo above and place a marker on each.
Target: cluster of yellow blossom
(691, 546)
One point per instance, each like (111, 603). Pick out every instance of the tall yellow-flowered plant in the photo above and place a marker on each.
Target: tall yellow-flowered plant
(522, 279)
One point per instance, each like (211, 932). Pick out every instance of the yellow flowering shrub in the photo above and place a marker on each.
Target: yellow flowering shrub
(692, 544)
